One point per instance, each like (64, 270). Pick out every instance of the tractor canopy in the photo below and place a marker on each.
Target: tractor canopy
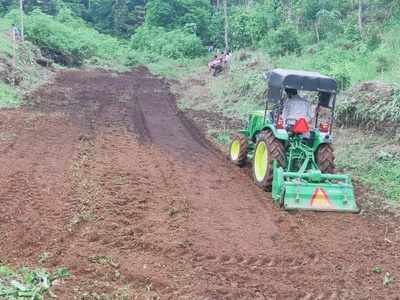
(281, 79)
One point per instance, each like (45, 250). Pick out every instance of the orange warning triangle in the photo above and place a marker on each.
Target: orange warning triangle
(320, 199)
(301, 126)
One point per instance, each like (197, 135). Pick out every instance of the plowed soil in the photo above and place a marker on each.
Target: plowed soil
(102, 174)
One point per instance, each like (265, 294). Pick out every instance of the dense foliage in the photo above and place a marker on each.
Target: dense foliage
(346, 39)
(176, 43)
(69, 40)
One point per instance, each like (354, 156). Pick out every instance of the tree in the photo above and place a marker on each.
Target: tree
(191, 14)
(21, 8)
(284, 41)
(226, 24)
(360, 16)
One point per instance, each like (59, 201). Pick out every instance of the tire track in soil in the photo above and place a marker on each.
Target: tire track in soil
(110, 179)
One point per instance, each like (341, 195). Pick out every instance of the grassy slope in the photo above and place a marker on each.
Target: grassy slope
(371, 157)
(8, 95)
(28, 72)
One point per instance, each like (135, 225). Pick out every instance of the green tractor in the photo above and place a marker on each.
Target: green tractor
(291, 147)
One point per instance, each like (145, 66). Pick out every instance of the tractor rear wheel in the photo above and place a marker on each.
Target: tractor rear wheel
(238, 150)
(326, 159)
(268, 149)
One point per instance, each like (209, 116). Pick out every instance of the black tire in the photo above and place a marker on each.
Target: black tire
(275, 151)
(239, 158)
(326, 159)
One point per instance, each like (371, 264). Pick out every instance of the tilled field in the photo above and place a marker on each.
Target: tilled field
(107, 177)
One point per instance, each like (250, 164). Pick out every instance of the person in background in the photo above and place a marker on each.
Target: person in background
(227, 61)
(211, 63)
(15, 32)
(211, 49)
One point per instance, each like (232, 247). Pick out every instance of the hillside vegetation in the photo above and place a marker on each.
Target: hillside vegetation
(20, 73)
(350, 40)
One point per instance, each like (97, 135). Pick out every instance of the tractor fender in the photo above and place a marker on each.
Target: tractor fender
(321, 139)
(280, 134)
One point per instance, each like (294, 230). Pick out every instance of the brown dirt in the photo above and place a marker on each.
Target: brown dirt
(105, 175)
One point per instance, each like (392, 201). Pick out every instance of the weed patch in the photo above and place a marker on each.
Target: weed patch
(373, 159)
(9, 97)
(28, 284)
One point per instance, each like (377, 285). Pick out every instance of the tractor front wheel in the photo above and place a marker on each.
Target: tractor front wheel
(268, 149)
(326, 159)
(238, 150)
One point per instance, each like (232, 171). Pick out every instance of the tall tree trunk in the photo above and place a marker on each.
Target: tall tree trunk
(290, 11)
(21, 8)
(316, 26)
(226, 25)
(217, 4)
(14, 60)
(360, 16)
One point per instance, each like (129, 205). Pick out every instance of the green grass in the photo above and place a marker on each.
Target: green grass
(26, 283)
(5, 40)
(172, 68)
(9, 97)
(374, 159)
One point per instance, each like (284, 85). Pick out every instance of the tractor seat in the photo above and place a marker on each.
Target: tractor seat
(296, 108)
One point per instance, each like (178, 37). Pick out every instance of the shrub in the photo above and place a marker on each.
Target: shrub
(172, 44)
(283, 41)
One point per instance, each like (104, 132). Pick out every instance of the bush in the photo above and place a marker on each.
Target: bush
(283, 41)
(172, 44)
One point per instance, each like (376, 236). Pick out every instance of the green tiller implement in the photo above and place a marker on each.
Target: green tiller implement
(290, 147)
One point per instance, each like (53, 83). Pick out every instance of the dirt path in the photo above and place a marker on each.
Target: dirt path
(102, 174)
